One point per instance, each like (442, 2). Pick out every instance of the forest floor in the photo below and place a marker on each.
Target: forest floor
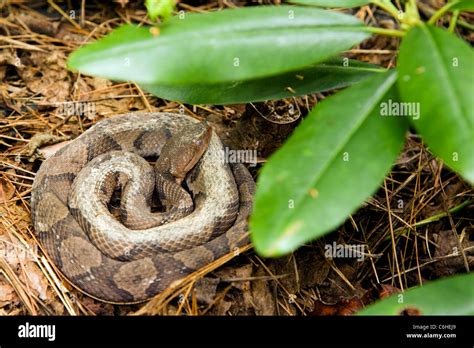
(416, 228)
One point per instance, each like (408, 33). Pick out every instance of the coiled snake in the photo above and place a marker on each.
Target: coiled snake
(134, 253)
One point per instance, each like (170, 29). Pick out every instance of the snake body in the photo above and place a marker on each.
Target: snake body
(130, 259)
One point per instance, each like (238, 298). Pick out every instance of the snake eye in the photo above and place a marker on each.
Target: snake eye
(204, 137)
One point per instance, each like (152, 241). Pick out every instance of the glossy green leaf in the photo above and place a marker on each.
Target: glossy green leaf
(437, 71)
(464, 5)
(223, 46)
(335, 159)
(448, 296)
(322, 77)
(332, 3)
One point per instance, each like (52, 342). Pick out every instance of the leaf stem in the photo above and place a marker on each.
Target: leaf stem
(402, 230)
(454, 20)
(466, 25)
(436, 217)
(413, 16)
(387, 32)
(440, 13)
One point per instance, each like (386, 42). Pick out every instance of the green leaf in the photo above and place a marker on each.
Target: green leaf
(322, 77)
(464, 5)
(228, 45)
(449, 296)
(437, 71)
(160, 8)
(334, 160)
(332, 3)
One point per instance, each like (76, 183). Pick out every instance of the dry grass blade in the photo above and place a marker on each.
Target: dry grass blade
(58, 287)
(156, 305)
(20, 289)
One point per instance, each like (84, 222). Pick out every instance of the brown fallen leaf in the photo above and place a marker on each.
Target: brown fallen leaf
(377, 293)
(448, 252)
(238, 273)
(222, 308)
(343, 307)
(387, 291)
(7, 295)
(411, 311)
(46, 74)
(7, 190)
(261, 296)
(11, 248)
(38, 22)
(117, 106)
(205, 290)
(349, 306)
(98, 308)
(36, 280)
(263, 300)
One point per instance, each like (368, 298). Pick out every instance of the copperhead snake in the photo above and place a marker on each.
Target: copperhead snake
(130, 254)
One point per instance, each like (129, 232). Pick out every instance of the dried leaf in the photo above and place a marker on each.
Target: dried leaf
(35, 280)
(7, 190)
(7, 295)
(205, 290)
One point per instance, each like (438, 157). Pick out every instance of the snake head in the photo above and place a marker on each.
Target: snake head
(182, 151)
(199, 139)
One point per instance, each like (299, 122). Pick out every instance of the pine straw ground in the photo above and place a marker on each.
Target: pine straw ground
(416, 228)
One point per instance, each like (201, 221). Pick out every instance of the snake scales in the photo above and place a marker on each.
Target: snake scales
(131, 260)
